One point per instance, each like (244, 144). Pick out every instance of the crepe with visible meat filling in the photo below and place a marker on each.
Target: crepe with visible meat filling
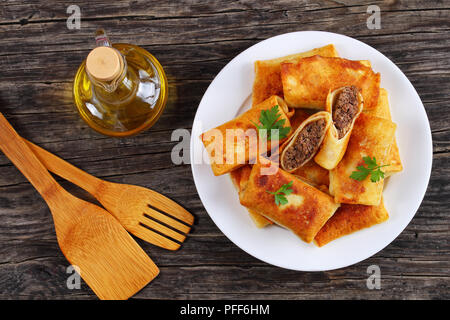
(345, 105)
(305, 141)
(268, 72)
(307, 208)
(383, 111)
(310, 172)
(239, 177)
(373, 137)
(350, 218)
(306, 84)
(242, 143)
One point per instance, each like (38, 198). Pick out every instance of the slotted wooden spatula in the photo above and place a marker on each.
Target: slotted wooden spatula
(109, 259)
(143, 212)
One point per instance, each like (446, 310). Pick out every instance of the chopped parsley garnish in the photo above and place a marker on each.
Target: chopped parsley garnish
(372, 168)
(269, 121)
(280, 194)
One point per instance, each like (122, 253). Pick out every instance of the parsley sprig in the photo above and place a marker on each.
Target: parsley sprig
(372, 168)
(280, 194)
(269, 121)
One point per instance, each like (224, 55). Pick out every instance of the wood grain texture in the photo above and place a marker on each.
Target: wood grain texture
(137, 208)
(194, 40)
(111, 262)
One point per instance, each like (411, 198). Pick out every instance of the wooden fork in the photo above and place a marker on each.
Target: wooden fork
(109, 259)
(143, 212)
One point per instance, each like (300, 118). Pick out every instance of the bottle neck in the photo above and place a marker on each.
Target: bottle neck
(105, 65)
(101, 38)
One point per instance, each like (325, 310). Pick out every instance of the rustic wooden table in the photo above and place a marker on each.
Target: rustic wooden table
(194, 41)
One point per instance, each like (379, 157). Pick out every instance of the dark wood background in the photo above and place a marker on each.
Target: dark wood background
(194, 41)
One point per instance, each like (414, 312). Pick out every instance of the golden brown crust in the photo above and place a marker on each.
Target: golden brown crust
(306, 212)
(348, 219)
(268, 72)
(298, 117)
(383, 111)
(382, 108)
(240, 177)
(394, 161)
(306, 84)
(313, 174)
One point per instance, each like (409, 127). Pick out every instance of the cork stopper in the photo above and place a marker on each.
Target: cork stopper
(104, 63)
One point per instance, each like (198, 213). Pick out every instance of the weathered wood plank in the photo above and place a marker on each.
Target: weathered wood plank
(16, 10)
(239, 282)
(228, 26)
(31, 67)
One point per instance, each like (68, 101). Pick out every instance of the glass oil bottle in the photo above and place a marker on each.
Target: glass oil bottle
(120, 89)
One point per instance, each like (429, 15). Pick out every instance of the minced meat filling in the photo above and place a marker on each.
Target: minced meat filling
(345, 109)
(306, 144)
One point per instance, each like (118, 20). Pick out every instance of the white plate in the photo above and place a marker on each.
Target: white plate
(403, 193)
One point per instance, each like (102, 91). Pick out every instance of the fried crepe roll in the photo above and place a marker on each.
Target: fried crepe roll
(382, 108)
(382, 111)
(244, 144)
(345, 105)
(372, 136)
(394, 161)
(307, 208)
(239, 177)
(268, 72)
(310, 172)
(305, 141)
(350, 218)
(280, 102)
(306, 84)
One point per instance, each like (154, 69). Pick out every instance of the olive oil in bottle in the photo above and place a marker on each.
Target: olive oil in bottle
(120, 89)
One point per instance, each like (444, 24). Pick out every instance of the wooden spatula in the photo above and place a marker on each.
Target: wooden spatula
(143, 212)
(109, 259)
